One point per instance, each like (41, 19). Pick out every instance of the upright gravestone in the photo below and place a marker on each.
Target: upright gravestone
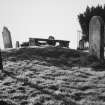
(96, 37)
(7, 38)
(17, 44)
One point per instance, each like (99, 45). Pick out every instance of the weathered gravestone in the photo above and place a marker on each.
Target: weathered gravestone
(96, 37)
(7, 38)
(17, 44)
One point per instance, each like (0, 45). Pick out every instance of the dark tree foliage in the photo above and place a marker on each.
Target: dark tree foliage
(84, 19)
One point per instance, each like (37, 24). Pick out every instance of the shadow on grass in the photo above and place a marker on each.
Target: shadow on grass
(5, 102)
(99, 66)
(59, 57)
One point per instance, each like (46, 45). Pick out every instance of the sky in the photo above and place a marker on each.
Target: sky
(42, 18)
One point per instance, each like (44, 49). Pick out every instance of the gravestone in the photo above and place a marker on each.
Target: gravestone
(81, 44)
(7, 38)
(96, 37)
(17, 44)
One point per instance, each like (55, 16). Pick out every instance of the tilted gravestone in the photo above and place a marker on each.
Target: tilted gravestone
(7, 38)
(96, 37)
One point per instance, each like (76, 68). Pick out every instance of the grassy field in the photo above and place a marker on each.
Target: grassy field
(51, 76)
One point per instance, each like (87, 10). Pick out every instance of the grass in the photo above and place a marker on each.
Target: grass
(52, 76)
(52, 55)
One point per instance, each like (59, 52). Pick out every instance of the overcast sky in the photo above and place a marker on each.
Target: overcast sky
(41, 18)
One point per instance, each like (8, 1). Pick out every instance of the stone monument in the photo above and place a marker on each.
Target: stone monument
(7, 38)
(96, 37)
(17, 44)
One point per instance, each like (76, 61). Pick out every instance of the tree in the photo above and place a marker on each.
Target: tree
(84, 19)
